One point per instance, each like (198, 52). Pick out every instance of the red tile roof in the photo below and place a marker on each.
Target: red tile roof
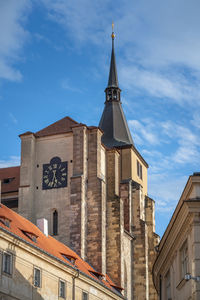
(19, 225)
(61, 126)
(12, 173)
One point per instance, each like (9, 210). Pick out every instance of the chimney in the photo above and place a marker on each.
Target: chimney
(42, 224)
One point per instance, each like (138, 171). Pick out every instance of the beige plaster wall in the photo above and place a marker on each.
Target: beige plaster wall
(180, 288)
(19, 285)
(129, 168)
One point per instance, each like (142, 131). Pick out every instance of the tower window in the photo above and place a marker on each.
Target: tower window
(139, 169)
(115, 95)
(55, 222)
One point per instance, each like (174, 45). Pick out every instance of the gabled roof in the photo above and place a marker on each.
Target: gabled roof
(9, 179)
(19, 226)
(62, 126)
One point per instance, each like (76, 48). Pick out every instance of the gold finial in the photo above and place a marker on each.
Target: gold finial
(112, 35)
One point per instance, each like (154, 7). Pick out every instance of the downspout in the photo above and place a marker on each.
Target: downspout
(76, 275)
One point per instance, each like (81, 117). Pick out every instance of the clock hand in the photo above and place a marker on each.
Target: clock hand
(54, 176)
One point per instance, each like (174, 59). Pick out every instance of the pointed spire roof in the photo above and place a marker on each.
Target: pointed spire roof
(113, 78)
(113, 121)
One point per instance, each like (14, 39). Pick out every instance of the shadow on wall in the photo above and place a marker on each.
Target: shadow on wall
(15, 286)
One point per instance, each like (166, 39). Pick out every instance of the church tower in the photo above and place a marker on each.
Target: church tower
(90, 183)
(130, 237)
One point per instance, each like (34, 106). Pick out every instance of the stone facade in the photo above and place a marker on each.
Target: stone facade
(104, 213)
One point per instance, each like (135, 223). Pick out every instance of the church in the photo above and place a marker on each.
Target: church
(90, 183)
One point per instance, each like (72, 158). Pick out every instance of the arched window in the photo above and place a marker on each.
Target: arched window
(55, 222)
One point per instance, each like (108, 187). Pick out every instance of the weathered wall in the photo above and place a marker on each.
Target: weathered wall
(34, 202)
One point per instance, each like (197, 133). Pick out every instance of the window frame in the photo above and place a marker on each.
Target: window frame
(55, 222)
(139, 170)
(184, 259)
(84, 293)
(10, 271)
(59, 289)
(34, 281)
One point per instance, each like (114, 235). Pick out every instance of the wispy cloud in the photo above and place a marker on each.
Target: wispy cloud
(13, 36)
(10, 162)
(166, 189)
(13, 119)
(160, 84)
(144, 131)
(159, 57)
(66, 85)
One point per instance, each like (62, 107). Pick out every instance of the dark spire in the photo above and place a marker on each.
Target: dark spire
(113, 80)
(113, 121)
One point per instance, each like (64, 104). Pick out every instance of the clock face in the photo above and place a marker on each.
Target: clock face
(54, 174)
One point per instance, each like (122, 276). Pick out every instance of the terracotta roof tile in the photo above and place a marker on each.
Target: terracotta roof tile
(61, 126)
(9, 179)
(19, 225)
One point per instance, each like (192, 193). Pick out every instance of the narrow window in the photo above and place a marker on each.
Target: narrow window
(61, 289)
(139, 169)
(184, 259)
(7, 263)
(85, 296)
(55, 222)
(37, 277)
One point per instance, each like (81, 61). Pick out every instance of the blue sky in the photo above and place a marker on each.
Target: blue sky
(54, 62)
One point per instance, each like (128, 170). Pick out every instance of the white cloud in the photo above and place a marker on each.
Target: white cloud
(166, 189)
(143, 133)
(83, 20)
(10, 162)
(12, 36)
(159, 41)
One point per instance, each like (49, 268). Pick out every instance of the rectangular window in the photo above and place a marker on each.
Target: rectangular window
(7, 263)
(37, 277)
(85, 296)
(139, 169)
(168, 286)
(184, 260)
(61, 289)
